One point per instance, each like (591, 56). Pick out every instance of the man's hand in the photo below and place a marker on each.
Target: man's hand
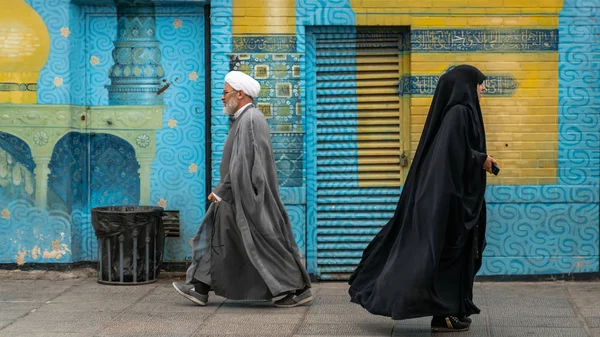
(488, 164)
(212, 198)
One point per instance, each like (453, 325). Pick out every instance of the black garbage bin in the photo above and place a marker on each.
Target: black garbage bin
(130, 243)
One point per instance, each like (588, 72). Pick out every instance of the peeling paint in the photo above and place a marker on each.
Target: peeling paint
(36, 252)
(56, 245)
(58, 250)
(55, 254)
(5, 214)
(21, 257)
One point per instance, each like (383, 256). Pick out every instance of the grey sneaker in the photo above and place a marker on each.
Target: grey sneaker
(187, 291)
(293, 300)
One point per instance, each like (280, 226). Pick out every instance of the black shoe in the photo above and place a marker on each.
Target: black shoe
(465, 319)
(294, 300)
(448, 324)
(187, 291)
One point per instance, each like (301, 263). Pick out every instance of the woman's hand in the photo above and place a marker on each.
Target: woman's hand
(487, 165)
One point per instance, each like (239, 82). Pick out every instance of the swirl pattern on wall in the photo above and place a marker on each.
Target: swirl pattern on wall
(85, 244)
(55, 14)
(182, 49)
(321, 13)
(101, 32)
(579, 128)
(296, 214)
(554, 229)
(77, 55)
(221, 44)
(32, 242)
(68, 178)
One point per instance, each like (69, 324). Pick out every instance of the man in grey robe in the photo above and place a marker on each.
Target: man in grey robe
(245, 248)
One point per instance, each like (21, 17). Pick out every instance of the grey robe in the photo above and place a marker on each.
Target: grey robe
(245, 248)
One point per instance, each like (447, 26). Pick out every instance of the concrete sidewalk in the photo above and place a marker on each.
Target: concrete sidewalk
(82, 307)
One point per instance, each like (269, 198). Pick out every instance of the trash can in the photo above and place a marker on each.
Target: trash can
(130, 243)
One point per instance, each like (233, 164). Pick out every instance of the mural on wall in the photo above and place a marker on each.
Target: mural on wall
(23, 53)
(539, 109)
(81, 124)
(104, 130)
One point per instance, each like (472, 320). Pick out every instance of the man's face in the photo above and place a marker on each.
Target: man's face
(230, 100)
(480, 90)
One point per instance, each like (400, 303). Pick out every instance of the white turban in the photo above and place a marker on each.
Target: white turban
(240, 81)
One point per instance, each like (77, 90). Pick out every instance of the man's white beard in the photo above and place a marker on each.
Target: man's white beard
(230, 105)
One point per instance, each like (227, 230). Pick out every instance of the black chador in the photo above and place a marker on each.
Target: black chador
(424, 260)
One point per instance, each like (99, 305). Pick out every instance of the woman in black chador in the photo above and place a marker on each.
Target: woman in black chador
(423, 262)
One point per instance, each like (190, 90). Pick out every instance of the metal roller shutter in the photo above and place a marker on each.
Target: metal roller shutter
(359, 143)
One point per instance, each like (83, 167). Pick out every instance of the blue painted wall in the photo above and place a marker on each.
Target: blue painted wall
(532, 229)
(89, 170)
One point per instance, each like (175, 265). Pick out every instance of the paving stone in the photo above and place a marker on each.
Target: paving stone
(27, 296)
(91, 316)
(361, 318)
(331, 285)
(412, 331)
(337, 335)
(157, 316)
(166, 293)
(419, 322)
(230, 335)
(593, 322)
(245, 328)
(334, 292)
(528, 301)
(542, 332)
(585, 294)
(144, 334)
(177, 305)
(259, 308)
(32, 291)
(322, 299)
(525, 321)
(517, 289)
(590, 311)
(107, 305)
(103, 289)
(348, 329)
(142, 328)
(226, 318)
(349, 308)
(11, 285)
(22, 275)
(71, 297)
(511, 309)
(519, 311)
(14, 310)
(26, 325)
(41, 334)
(477, 320)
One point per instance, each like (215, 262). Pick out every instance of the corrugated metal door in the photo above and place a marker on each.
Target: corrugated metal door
(360, 142)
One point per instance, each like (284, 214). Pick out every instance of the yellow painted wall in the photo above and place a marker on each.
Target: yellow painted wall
(24, 49)
(264, 17)
(522, 130)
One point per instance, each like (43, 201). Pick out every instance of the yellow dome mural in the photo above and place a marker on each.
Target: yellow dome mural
(24, 49)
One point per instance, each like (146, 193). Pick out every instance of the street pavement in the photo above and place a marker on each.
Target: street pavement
(35, 305)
